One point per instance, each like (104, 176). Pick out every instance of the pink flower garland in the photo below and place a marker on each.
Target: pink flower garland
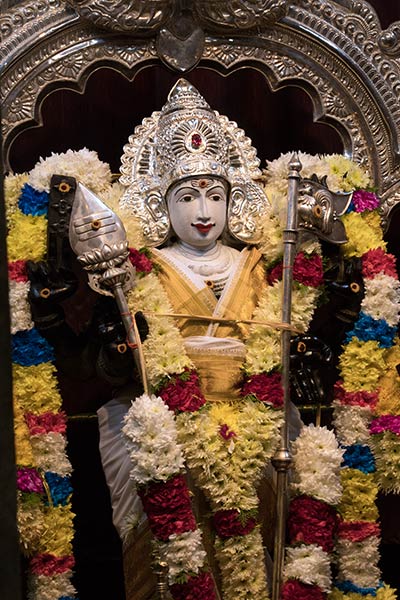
(385, 423)
(363, 200)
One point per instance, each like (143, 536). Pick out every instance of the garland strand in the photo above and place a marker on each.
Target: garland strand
(43, 470)
(305, 563)
(313, 519)
(45, 518)
(362, 365)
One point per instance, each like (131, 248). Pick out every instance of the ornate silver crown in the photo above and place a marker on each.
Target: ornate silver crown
(187, 139)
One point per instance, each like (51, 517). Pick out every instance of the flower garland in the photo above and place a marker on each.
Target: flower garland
(379, 315)
(312, 519)
(369, 350)
(45, 519)
(152, 442)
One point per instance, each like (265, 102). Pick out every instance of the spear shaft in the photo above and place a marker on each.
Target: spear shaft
(282, 459)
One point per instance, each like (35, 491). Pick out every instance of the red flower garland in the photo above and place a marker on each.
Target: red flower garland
(140, 261)
(228, 523)
(17, 271)
(356, 531)
(183, 393)
(358, 398)
(168, 507)
(301, 591)
(376, 261)
(312, 521)
(49, 565)
(266, 387)
(306, 270)
(46, 423)
(196, 588)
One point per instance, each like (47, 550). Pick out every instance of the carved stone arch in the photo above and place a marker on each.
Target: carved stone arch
(333, 49)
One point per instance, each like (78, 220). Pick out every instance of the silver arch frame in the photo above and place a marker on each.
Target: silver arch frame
(335, 50)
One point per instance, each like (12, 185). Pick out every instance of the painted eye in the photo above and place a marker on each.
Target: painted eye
(317, 211)
(186, 198)
(216, 197)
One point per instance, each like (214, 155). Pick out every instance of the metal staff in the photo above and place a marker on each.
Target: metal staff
(98, 238)
(282, 459)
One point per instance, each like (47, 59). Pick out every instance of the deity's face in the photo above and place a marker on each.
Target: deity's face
(197, 210)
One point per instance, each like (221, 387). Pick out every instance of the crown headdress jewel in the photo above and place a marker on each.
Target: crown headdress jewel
(188, 139)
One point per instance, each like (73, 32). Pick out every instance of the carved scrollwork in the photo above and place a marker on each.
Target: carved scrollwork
(20, 16)
(67, 59)
(135, 15)
(389, 40)
(240, 14)
(126, 16)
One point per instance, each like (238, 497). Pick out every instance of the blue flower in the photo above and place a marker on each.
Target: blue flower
(347, 586)
(30, 348)
(359, 457)
(32, 202)
(367, 328)
(60, 488)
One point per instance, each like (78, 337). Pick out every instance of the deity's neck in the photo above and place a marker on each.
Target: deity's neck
(209, 253)
(213, 264)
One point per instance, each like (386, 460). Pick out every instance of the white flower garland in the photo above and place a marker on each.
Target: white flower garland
(316, 464)
(84, 165)
(182, 553)
(382, 305)
(310, 564)
(20, 312)
(358, 561)
(152, 440)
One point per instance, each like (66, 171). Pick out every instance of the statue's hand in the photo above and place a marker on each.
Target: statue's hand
(309, 356)
(344, 283)
(49, 287)
(115, 361)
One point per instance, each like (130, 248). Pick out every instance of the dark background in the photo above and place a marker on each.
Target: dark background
(101, 119)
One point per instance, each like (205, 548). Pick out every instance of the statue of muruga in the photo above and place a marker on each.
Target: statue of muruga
(205, 430)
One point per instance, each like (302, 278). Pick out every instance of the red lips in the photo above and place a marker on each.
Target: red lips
(202, 228)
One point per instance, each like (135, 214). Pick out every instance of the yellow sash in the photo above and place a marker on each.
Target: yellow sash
(219, 367)
(237, 302)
